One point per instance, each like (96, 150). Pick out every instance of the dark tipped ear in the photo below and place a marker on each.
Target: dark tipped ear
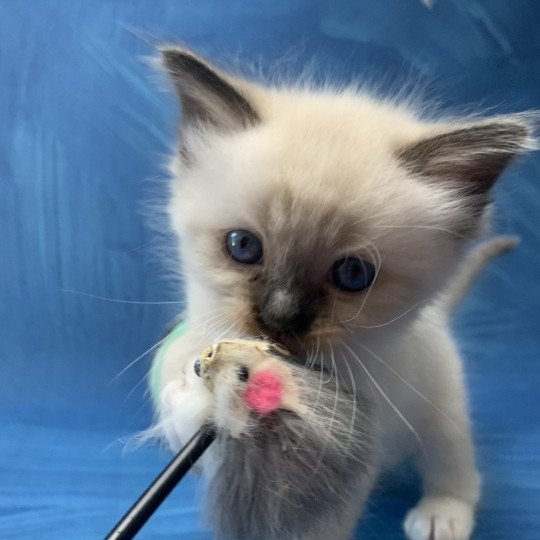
(470, 157)
(206, 95)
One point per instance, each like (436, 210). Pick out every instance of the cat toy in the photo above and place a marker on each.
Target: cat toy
(272, 422)
(270, 387)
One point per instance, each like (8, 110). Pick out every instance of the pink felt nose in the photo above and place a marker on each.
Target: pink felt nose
(263, 393)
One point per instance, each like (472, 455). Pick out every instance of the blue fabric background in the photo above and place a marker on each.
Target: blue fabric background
(83, 132)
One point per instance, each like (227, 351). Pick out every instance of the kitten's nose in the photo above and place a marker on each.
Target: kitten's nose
(285, 312)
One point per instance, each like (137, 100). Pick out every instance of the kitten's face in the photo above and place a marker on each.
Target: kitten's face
(313, 215)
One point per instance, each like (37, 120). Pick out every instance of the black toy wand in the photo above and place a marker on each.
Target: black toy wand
(160, 488)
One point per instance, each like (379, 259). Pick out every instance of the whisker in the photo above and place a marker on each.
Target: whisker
(144, 378)
(120, 301)
(334, 409)
(378, 261)
(321, 364)
(228, 328)
(408, 310)
(139, 358)
(200, 341)
(353, 391)
(207, 336)
(309, 364)
(397, 374)
(383, 394)
(151, 241)
(428, 227)
(143, 355)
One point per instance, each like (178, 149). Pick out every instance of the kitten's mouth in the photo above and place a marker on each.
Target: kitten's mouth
(291, 342)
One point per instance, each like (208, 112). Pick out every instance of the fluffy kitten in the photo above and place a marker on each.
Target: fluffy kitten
(333, 223)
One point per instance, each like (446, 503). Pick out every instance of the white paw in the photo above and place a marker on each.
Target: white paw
(440, 518)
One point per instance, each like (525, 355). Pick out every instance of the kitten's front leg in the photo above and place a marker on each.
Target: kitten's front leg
(446, 459)
(451, 486)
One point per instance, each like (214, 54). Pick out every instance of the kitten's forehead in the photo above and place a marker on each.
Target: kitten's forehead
(313, 190)
(304, 223)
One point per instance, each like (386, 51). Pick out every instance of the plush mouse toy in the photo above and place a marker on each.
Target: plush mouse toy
(292, 441)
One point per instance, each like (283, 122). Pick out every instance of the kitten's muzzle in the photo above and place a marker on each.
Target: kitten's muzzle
(286, 312)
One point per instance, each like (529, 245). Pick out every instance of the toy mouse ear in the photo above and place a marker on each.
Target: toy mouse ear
(471, 157)
(207, 96)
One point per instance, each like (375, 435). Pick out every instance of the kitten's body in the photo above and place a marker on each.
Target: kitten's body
(318, 176)
(424, 401)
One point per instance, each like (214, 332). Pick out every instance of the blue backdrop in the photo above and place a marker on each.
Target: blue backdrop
(83, 132)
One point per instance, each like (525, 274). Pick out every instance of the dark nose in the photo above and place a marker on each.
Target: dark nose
(287, 312)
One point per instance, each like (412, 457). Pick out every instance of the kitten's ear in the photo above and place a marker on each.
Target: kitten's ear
(207, 96)
(470, 157)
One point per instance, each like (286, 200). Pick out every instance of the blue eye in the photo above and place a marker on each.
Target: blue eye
(243, 246)
(352, 274)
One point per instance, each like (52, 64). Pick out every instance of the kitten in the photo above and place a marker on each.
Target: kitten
(334, 223)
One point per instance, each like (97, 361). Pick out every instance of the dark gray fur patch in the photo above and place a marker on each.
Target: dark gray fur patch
(296, 310)
(473, 156)
(284, 300)
(283, 479)
(196, 82)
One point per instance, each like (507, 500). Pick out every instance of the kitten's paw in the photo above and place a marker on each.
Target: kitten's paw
(440, 518)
